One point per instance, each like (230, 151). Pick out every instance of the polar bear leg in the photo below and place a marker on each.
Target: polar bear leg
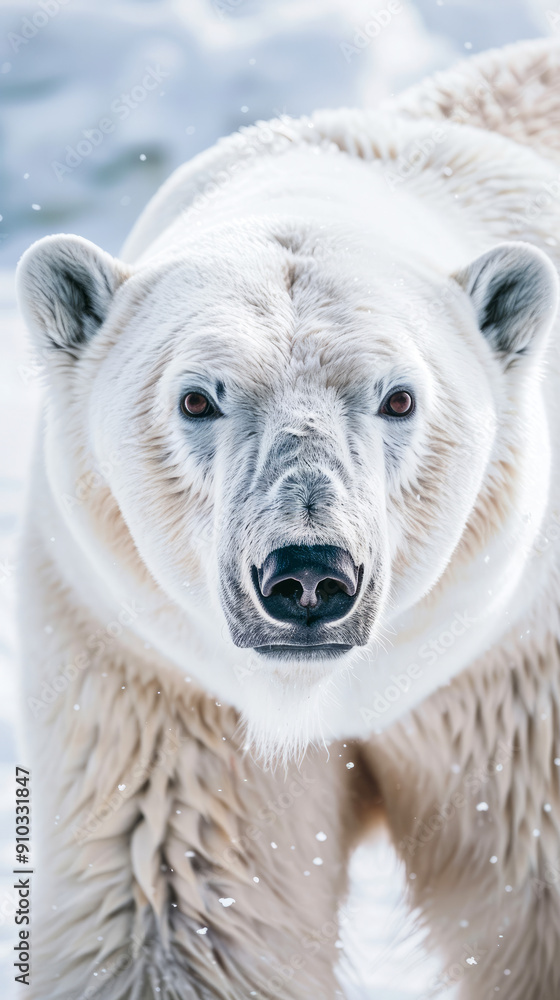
(170, 859)
(472, 793)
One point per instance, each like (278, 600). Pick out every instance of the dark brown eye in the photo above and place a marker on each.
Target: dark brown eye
(398, 404)
(194, 404)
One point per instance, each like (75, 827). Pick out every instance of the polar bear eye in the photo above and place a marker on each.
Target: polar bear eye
(398, 404)
(195, 404)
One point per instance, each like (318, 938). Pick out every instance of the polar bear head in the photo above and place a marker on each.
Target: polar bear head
(274, 445)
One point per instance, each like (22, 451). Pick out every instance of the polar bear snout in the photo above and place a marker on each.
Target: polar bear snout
(307, 583)
(305, 602)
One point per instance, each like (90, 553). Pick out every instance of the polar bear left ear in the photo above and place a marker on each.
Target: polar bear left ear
(65, 286)
(514, 291)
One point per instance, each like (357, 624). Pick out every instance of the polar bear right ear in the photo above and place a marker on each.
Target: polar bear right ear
(65, 286)
(514, 291)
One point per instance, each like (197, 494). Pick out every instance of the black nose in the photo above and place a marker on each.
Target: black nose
(307, 583)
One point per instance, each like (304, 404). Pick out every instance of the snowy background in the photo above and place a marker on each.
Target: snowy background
(213, 65)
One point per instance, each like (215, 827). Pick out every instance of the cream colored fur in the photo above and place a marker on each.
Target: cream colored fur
(155, 819)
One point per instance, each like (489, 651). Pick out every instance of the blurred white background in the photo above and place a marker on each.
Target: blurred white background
(167, 78)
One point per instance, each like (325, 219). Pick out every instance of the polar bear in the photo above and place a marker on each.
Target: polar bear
(295, 501)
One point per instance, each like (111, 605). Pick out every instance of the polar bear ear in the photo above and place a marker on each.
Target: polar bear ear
(65, 285)
(514, 291)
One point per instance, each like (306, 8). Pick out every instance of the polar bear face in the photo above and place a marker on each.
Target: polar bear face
(303, 445)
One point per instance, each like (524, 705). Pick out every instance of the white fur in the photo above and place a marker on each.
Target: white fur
(389, 259)
(296, 265)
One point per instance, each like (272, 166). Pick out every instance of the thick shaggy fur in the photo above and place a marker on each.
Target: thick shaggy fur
(174, 865)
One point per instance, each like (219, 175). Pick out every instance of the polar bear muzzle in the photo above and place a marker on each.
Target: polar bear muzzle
(305, 586)
(307, 602)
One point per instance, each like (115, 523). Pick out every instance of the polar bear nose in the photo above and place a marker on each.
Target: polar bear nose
(308, 582)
